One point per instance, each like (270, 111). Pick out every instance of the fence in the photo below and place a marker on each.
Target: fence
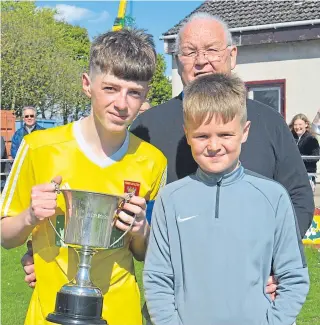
(310, 157)
(5, 161)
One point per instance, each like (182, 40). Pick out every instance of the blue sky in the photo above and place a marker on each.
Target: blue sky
(98, 16)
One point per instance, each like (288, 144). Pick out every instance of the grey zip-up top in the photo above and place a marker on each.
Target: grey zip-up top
(214, 242)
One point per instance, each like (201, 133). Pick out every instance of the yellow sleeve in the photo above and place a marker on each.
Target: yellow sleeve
(160, 177)
(16, 194)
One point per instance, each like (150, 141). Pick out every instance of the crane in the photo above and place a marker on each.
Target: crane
(122, 19)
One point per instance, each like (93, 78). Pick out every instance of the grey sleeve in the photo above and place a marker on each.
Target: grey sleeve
(289, 267)
(158, 277)
(291, 173)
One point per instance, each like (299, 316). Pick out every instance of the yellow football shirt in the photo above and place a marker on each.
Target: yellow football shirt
(63, 151)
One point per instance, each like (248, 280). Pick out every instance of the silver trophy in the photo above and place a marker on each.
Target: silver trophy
(89, 227)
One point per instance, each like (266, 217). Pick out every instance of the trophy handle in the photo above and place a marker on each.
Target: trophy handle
(134, 219)
(128, 197)
(57, 190)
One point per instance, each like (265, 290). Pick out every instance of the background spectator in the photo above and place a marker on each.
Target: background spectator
(29, 114)
(307, 144)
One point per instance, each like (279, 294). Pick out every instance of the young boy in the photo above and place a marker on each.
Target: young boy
(97, 154)
(218, 234)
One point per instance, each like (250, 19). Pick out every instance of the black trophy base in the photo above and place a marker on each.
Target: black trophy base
(77, 310)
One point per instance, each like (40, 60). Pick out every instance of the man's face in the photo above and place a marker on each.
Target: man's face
(115, 102)
(29, 117)
(216, 146)
(204, 50)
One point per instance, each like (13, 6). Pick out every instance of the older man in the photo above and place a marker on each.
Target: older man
(204, 46)
(30, 124)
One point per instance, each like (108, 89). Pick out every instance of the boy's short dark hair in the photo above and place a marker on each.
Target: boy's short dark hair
(219, 95)
(127, 54)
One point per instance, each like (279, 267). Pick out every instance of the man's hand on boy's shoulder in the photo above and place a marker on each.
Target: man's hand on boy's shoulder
(271, 287)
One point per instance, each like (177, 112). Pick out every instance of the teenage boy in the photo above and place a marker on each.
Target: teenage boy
(98, 154)
(218, 234)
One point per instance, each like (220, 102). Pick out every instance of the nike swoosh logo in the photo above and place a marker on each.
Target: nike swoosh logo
(185, 219)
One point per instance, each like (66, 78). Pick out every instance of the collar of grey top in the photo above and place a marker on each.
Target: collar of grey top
(221, 179)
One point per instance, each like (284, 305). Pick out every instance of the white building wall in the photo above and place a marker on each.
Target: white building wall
(298, 63)
(176, 80)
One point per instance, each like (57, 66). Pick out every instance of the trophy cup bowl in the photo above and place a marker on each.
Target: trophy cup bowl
(89, 224)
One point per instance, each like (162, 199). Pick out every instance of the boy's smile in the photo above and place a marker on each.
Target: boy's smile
(215, 145)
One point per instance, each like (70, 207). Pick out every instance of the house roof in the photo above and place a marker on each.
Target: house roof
(243, 13)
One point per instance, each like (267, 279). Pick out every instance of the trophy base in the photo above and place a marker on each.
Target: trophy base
(66, 320)
(77, 310)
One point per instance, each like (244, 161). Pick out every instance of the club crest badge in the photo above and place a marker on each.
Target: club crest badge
(132, 187)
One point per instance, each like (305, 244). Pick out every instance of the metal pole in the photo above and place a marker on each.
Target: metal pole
(310, 157)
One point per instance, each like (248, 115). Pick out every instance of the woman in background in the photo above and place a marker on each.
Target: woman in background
(307, 143)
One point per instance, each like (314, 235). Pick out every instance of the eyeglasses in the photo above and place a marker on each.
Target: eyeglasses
(27, 116)
(211, 54)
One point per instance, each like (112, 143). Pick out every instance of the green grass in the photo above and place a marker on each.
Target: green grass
(15, 294)
(310, 314)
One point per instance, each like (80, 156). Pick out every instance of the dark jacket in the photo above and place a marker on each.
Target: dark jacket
(4, 164)
(270, 150)
(18, 136)
(308, 145)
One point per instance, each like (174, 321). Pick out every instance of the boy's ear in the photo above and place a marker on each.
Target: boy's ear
(145, 93)
(86, 84)
(245, 132)
(186, 133)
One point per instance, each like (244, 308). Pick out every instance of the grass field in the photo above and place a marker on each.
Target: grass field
(15, 294)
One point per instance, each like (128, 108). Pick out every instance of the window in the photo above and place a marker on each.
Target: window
(269, 92)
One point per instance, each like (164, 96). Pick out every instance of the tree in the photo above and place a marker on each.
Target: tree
(42, 60)
(160, 87)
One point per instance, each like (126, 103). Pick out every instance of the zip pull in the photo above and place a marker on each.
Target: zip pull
(218, 198)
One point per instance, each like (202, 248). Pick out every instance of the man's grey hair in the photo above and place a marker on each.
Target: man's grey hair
(206, 16)
(29, 107)
(127, 54)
